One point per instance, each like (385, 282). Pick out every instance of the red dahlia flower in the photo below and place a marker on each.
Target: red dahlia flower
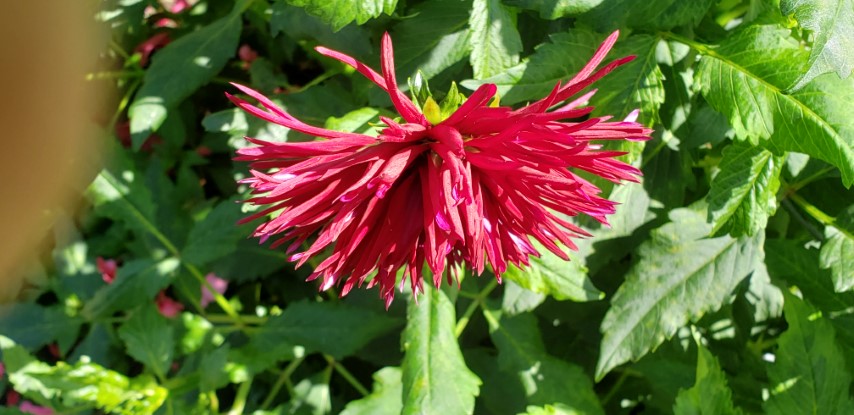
(469, 190)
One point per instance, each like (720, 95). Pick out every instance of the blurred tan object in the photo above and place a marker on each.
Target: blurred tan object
(47, 48)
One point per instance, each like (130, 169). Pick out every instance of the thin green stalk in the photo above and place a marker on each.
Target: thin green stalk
(476, 302)
(224, 318)
(123, 104)
(794, 187)
(240, 398)
(283, 380)
(219, 298)
(347, 375)
(794, 213)
(818, 215)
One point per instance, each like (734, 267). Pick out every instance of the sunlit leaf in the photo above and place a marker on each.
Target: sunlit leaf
(744, 193)
(435, 377)
(832, 26)
(495, 42)
(680, 276)
(808, 374)
(745, 79)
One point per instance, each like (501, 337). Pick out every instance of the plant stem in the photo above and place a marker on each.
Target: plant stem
(818, 215)
(240, 399)
(476, 302)
(283, 380)
(787, 204)
(347, 375)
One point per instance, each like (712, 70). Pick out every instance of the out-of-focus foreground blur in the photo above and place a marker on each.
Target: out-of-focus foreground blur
(46, 51)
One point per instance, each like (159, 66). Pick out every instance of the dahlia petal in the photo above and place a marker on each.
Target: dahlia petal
(401, 102)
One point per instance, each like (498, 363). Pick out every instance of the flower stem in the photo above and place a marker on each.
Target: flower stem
(347, 375)
(818, 215)
(283, 380)
(476, 302)
(240, 399)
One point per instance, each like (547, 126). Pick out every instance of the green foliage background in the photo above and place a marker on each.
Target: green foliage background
(723, 286)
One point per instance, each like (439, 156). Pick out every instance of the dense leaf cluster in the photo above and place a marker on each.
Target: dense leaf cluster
(723, 286)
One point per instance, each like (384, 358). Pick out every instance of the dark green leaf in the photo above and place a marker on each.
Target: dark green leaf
(551, 62)
(311, 396)
(555, 9)
(384, 400)
(299, 25)
(179, 70)
(435, 40)
(435, 377)
(545, 379)
(333, 328)
(799, 266)
(744, 80)
(551, 275)
(680, 276)
(149, 339)
(637, 85)
(808, 374)
(832, 26)
(358, 121)
(136, 283)
(216, 235)
(744, 193)
(339, 13)
(34, 326)
(837, 252)
(710, 393)
(519, 300)
(495, 42)
(649, 15)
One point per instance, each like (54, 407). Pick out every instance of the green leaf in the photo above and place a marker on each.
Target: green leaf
(311, 396)
(808, 375)
(81, 386)
(743, 80)
(120, 193)
(34, 326)
(790, 261)
(551, 275)
(558, 409)
(710, 393)
(636, 85)
(216, 235)
(680, 276)
(545, 379)
(435, 377)
(358, 121)
(179, 69)
(435, 40)
(213, 373)
(137, 282)
(299, 25)
(519, 300)
(339, 13)
(332, 328)
(495, 42)
(648, 15)
(551, 62)
(384, 400)
(555, 9)
(832, 27)
(149, 338)
(744, 193)
(837, 251)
